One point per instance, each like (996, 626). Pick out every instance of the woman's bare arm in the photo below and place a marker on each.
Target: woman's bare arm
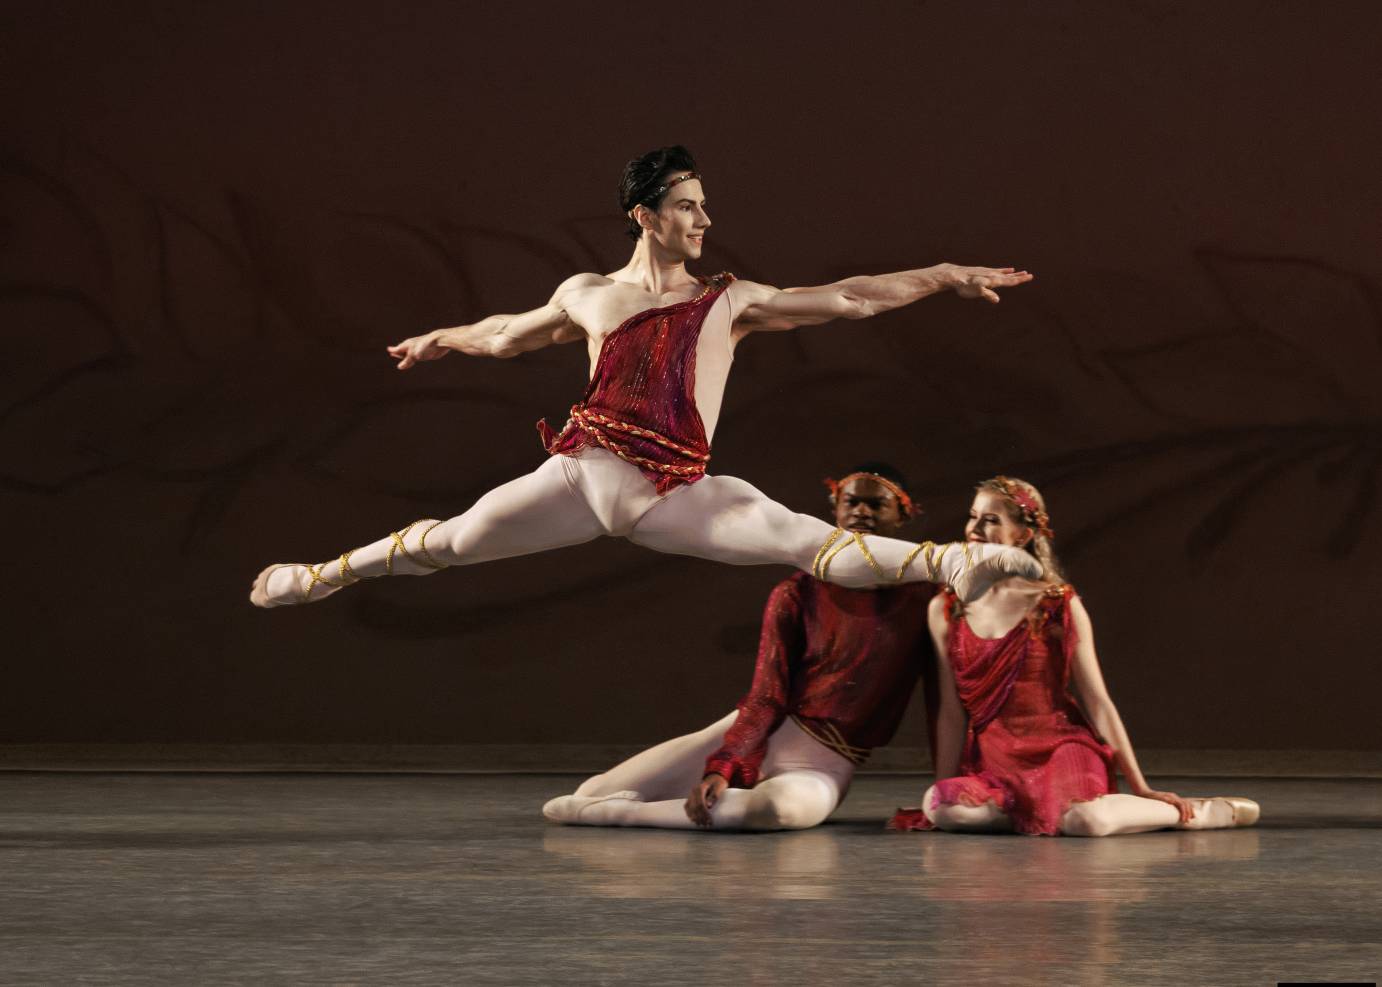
(951, 720)
(1087, 680)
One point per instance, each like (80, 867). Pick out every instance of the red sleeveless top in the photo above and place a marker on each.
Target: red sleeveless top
(1029, 747)
(641, 400)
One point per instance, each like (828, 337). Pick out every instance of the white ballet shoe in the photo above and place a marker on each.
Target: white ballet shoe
(569, 808)
(1225, 812)
(289, 583)
(297, 583)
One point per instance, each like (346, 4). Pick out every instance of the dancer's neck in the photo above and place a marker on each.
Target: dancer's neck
(653, 271)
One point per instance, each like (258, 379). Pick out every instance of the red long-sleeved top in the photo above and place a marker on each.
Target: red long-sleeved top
(841, 662)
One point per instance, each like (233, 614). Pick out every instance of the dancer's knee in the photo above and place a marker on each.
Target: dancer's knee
(929, 803)
(1087, 819)
(974, 818)
(805, 803)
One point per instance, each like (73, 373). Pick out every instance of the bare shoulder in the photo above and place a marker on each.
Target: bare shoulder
(743, 292)
(935, 610)
(745, 297)
(578, 282)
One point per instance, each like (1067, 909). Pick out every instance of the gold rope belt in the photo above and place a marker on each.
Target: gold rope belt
(593, 424)
(829, 736)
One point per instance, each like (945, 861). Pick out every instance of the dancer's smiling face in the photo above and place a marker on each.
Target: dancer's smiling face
(993, 519)
(679, 224)
(865, 505)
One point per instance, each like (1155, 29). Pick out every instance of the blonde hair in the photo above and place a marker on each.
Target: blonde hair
(1014, 491)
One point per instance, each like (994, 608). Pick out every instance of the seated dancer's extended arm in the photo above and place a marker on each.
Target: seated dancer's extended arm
(498, 335)
(764, 308)
(1087, 683)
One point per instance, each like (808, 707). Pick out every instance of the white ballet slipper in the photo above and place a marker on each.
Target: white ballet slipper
(569, 808)
(1226, 812)
(288, 583)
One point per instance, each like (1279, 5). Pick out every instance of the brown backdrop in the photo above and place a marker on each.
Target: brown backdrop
(216, 216)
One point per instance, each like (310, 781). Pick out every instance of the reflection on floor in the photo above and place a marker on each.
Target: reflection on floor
(218, 878)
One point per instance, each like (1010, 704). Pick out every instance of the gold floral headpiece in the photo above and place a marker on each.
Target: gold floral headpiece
(1032, 514)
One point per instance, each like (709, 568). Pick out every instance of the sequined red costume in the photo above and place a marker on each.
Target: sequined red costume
(1028, 747)
(640, 403)
(841, 663)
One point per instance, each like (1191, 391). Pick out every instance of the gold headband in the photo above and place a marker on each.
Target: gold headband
(657, 192)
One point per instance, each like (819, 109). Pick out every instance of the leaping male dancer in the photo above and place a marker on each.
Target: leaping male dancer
(631, 459)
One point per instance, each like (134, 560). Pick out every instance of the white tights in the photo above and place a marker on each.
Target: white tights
(802, 783)
(569, 500)
(1107, 815)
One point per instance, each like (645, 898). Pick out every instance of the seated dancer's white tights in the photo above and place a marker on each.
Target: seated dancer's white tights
(802, 783)
(568, 500)
(1107, 815)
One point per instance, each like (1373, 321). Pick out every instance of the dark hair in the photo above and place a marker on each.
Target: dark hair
(642, 177)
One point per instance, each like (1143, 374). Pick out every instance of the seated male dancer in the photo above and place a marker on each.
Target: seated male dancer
(631, 459)
(835, 670)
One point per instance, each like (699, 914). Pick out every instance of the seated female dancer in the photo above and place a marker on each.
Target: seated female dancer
(835, 670)
(1027, 737)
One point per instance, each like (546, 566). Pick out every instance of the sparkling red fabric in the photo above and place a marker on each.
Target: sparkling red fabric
(645, 376)
(842, 662)
(1029, 747)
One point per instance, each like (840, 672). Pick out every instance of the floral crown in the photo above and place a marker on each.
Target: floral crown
(1019, 493)
(904, 502)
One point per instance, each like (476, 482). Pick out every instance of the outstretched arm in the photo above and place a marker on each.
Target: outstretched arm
(499, 335)
(1088, 683)
(764, 308)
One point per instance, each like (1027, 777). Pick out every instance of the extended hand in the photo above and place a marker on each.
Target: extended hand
(703, 798)
(1187, 811)
(417, 349)
(979, 282)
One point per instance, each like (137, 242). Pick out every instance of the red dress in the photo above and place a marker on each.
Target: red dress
(1028, 745)
(641, 400)
(840, 662)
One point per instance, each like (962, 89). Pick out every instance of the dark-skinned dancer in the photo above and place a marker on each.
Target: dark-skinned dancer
(836, 668)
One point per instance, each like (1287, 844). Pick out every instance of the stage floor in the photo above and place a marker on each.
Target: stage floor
(457, 879)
